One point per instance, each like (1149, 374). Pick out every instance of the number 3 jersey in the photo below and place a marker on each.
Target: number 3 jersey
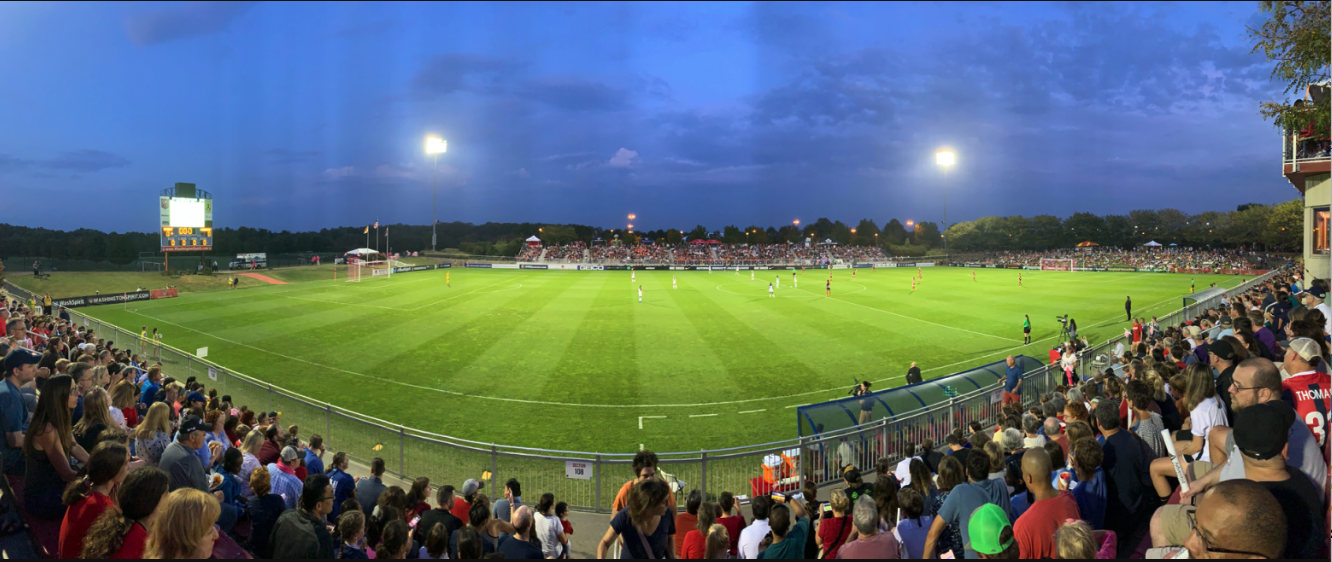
(1309, 394)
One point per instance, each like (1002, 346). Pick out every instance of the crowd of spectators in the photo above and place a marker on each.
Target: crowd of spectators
(134, 463)
(711, 254)
(569, 253)
(529, 253)
(1165, 258)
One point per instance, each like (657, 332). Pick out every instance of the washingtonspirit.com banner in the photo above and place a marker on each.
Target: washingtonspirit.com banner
(94, 300)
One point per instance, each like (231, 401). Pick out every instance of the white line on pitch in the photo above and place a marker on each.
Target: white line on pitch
(918, 319)
(702, 415)
(755, 411)
(640, 419)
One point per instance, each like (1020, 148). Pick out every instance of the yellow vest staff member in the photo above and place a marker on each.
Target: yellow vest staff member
(46, 304)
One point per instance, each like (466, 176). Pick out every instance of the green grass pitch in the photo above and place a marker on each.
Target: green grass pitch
(572, 360)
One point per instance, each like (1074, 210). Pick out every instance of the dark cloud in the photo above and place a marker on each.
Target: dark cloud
(574, 93)
(454, 72)
(13, 163)
(86, 160)
(182, 21)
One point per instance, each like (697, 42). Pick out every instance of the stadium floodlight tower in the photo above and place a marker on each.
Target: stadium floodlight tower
(945, 158)
(435, 146)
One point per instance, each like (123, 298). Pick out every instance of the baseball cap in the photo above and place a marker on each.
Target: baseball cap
(191, 424)
(1261, 430)
(471, 486)
(20, 357)
(1222, 349)
(1194, 331)
(1306, 348)
(195, 396)
(1316, 291)
(1224, 322)
(289, 454)
(984, 527)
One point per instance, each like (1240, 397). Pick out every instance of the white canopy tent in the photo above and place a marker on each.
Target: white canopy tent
(1153, 244)
(362, 252)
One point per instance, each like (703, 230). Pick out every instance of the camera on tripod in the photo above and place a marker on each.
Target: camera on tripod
(1062, 319)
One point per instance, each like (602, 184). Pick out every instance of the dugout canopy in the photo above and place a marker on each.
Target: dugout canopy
(362, 252)
(903, 400)
(1203, 295)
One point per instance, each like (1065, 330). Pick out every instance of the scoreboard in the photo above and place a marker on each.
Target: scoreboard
(186, 219)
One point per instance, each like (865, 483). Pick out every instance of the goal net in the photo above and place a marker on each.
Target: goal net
(1056, 264)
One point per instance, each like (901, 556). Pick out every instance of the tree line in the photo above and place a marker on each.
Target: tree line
(1279, 226)
(1274, 226)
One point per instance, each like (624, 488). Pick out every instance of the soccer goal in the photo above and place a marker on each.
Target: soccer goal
(1048, 264)
(358, 270)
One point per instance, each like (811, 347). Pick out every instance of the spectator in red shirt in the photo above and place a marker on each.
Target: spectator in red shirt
(834, 528)
(696, 540)
(89, 497)
(271, 450)
(1034, 531)
(734, 523)
(1137, 330)
(122, 534)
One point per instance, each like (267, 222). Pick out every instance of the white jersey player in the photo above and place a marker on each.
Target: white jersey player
(770, 293)
(751, 275)
(632, 278)
(673, 282)
(640, 293)
(778, 280)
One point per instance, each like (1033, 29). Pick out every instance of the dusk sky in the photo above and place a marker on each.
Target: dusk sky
(310, 115)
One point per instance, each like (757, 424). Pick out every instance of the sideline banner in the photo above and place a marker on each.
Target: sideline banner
(592, 268)
(94, 300)
(413, 268)
(504, 266)
(532, 266)
(485, 265)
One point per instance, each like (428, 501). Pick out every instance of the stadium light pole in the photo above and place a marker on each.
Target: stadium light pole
(435, 146)
(945, 158)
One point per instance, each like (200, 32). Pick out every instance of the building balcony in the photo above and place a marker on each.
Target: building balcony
(1302, 157)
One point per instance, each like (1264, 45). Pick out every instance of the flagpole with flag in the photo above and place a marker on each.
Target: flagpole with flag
(376, 236)
(367, 236)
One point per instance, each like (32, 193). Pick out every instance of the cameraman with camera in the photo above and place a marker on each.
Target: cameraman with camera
(862, 388)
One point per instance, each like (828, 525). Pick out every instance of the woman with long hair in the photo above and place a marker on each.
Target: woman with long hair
(719, 541)
(123, 533)
(418, 498)
(835, 528)
(90, 496)
(249, 448)
(640, 523)
(1205, 412)
(923, 481)
(96, 418)
(124, 396)
(548, 527)
(153, 434)
(48, 445)
(695, 541)
(951, 475)
(187, 528)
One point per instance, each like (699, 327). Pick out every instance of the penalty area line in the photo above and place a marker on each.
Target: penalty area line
(640, 421)
(702, 415)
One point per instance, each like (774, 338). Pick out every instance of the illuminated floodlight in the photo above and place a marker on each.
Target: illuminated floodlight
(909, 223)
(944, 158)
(436, 145)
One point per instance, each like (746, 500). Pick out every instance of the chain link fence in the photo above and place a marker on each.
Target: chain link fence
(590, 481)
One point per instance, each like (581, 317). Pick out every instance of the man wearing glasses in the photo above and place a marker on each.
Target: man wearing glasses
(303, 531)
(1237, 519)
(1260, 437)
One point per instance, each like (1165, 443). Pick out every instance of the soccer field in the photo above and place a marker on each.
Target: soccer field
(572, 360)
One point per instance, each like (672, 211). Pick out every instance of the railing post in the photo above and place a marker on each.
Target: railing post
(402, 451)
(704, 485)
(328, 422)
(596, 472)
(494, 465)
(270, 398)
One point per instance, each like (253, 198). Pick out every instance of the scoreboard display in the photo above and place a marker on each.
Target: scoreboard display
(186, 219)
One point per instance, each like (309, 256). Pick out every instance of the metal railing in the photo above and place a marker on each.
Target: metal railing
(410, 453)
